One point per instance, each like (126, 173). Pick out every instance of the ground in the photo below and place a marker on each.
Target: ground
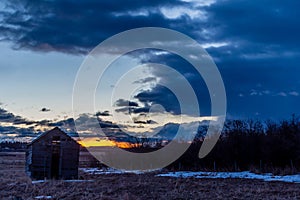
(14, 184)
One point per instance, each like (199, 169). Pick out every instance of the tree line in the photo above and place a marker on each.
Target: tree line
(12, 146)
(249, 145)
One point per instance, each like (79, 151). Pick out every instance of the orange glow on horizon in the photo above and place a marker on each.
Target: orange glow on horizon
(91, 142)
(96, 142)
(125, 145)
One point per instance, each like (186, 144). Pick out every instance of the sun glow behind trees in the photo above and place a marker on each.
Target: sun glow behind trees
(96, 142)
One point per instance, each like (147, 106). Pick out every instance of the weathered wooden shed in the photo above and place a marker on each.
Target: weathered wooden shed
(52, 155)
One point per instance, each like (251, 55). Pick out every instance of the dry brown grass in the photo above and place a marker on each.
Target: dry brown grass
(14, 184)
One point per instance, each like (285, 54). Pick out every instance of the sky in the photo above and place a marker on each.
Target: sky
(255, 45)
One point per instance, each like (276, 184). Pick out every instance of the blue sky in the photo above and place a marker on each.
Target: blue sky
(255, 45)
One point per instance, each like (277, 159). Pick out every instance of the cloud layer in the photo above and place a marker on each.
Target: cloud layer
(254, 44)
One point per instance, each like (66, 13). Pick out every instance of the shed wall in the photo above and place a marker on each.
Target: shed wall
(39, 156)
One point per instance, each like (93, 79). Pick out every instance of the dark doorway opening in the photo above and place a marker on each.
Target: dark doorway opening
(55, 171)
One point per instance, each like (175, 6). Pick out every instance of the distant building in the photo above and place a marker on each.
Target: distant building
(52, 155)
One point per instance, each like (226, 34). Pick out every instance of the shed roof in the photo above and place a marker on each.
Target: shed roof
(47, 132)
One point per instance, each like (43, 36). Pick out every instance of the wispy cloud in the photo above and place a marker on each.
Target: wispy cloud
(294, 93)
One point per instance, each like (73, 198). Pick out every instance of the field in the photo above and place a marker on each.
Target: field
(15, 185)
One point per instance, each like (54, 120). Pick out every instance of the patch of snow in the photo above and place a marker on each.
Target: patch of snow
(111, 171)
(67, 181)
(242, 175)
(38, 181)
(101, 171)
(43, 197)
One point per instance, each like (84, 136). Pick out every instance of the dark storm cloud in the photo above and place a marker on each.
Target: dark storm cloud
(5, 116)
(104, 113)
(14, 124)
(123, 109)
(263, 43)
(144, 109)
(9, 117)
(11, 130)
(261, 54)
(17, 132)
(45, 110)
(130, 109)
(123, 102)
(11, 122)
(158, 95)
(270, 22)
(76, 26)
(145, 122)
(261, 51)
